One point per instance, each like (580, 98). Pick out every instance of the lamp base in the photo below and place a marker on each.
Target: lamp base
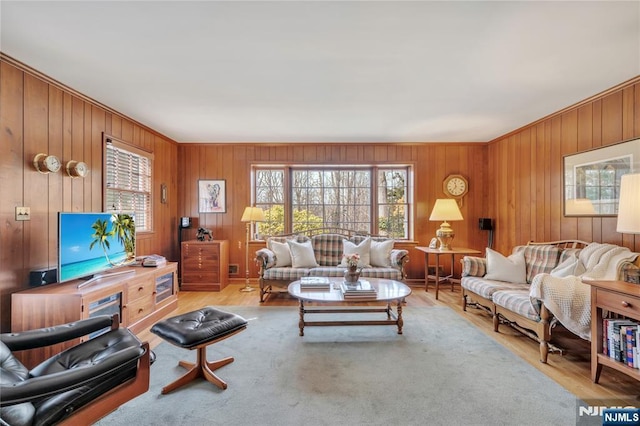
(445, 235)
(247, 288)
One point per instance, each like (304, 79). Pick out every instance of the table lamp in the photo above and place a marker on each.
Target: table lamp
(445, 209)
(629, 211)
(250, 215)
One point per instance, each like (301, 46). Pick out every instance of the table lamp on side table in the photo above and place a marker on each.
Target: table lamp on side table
(629, 210)
(250, 215)
(445, 209)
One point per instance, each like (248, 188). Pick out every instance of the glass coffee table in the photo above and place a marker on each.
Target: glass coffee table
(388, 291)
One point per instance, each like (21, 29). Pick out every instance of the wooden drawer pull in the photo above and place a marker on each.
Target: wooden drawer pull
(140, 288)
(626, 304)
(140, 310)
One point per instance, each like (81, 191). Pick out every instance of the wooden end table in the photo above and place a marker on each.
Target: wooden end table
(618, 297)
(437, 253)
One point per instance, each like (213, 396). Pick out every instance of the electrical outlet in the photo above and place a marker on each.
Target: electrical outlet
(23, 213)
(239, 244)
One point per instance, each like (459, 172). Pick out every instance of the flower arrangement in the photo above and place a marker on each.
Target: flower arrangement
(352, 259)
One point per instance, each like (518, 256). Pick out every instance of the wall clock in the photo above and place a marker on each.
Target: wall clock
(46, 163)
(77, 169)
(455, 186)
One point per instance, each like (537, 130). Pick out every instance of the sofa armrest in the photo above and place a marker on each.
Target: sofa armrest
(399, 258)
(265, 259)
(473, 266)
(40, 337)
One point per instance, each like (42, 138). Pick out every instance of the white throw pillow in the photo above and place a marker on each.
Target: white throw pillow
(302, 255)
(381, 253)
(571, 266)
(511, 269)
(363, 249)
(282, 252)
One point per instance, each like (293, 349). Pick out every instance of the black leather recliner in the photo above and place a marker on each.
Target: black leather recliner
(77, 386)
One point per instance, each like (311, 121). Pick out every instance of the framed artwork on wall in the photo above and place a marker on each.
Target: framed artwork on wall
(212, 196)
(592, 178)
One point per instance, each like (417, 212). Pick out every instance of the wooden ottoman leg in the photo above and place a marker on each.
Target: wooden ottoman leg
(201, 368)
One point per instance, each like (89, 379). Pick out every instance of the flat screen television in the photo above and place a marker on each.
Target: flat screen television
(93, 243)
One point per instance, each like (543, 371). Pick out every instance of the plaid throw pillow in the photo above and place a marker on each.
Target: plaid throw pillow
(474, 266)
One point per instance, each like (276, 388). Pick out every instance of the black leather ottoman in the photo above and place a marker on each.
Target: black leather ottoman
(197, 330)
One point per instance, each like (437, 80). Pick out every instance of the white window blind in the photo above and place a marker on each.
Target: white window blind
(128, 181)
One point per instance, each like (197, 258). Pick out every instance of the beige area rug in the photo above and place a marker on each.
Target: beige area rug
(441, 371)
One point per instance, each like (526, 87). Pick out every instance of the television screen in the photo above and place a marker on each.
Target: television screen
(90, 243)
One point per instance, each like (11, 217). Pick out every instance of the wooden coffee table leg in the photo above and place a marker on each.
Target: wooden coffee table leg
(301, 320)
(400, 320)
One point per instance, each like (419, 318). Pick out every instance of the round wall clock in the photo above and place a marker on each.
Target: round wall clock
(455, 186)
(46, 163)
(77, 169)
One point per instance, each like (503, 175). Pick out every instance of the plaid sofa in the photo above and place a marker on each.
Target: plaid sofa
(510, 302)
(328, 251)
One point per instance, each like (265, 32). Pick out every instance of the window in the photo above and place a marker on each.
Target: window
(296, 198)
(127, 181)
(393, 204)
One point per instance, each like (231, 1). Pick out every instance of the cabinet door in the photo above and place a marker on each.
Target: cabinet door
(165, 287)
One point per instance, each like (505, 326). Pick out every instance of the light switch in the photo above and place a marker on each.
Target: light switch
(23, 213)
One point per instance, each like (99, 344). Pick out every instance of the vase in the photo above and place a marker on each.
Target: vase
(352, 274)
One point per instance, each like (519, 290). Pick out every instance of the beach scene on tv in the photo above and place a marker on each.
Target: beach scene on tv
(90, 243)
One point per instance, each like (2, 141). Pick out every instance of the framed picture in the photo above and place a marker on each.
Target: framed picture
(434, 243)
(212, 196)
(592, 178)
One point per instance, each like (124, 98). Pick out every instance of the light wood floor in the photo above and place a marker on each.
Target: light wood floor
(571, 370)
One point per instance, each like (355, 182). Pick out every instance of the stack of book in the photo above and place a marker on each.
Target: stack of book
(315, 284)
(621, 341)
(361, 290)
(153, 260)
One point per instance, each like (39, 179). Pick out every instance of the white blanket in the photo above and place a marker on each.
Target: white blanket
(568, 298)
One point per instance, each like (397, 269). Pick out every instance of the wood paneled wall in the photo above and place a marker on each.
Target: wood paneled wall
(525, 170)
(39, 115)
(515, 179)
(432, 163)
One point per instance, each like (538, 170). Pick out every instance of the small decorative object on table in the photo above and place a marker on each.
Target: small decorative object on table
(632, 274)
(202, 232)
(352, 274)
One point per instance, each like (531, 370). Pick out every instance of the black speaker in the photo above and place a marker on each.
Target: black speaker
(485, 224)
(43, 276)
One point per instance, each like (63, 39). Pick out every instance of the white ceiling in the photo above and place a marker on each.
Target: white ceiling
(329, 71)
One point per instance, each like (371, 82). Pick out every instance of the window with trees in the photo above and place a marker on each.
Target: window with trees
(370, 199)
(127, 181)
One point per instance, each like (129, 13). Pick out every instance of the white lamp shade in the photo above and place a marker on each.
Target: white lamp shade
(252, 214)
(446, 209)
(629, 206)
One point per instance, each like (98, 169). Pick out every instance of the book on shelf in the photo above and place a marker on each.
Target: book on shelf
(637, 348)
(631, 346)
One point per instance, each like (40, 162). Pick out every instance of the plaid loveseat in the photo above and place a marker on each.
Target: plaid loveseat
(328, 252)
(510, 302)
